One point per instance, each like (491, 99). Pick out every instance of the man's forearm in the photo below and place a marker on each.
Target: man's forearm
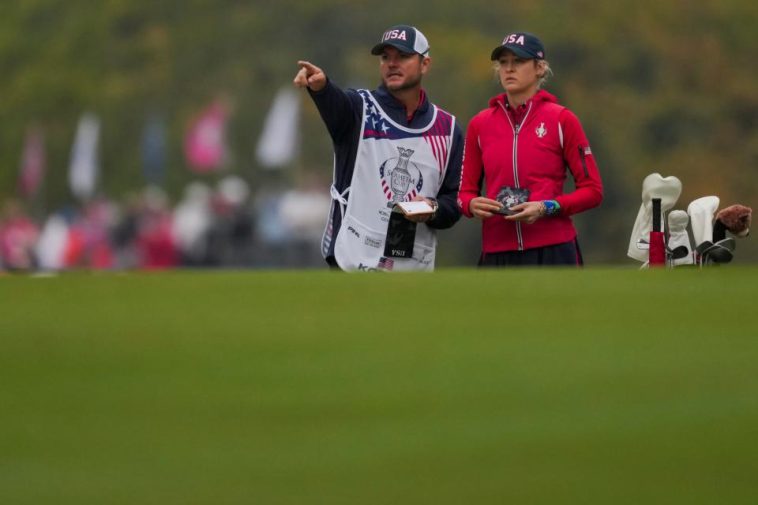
(337, 109)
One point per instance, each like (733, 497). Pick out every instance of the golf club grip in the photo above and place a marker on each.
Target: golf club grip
(657, 252)
(656, 214)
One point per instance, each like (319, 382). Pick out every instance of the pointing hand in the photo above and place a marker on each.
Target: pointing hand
(310, 76)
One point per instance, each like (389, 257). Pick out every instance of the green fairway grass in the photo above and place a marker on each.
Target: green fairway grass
(607, 386)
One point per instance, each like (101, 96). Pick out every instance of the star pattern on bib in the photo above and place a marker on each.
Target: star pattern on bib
(375, 119)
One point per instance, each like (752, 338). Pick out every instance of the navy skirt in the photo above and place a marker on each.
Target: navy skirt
(565, 254)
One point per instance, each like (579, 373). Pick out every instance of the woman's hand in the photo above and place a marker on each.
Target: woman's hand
(483, 208)
(527, 212)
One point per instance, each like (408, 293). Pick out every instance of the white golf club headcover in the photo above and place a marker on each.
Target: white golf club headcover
(678, 236)
(668, 190)
(701, 213)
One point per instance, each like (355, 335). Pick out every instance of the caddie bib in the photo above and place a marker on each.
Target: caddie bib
(393, 164)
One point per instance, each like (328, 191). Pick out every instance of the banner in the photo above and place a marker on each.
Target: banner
(279, 143)
(84, 166)
(205, 143)
(154, 151)
(33, 164)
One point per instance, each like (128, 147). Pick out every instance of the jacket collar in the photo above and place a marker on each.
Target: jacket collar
(539, 97)
(389, 101)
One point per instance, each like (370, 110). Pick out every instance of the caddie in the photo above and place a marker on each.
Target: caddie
(391, 145)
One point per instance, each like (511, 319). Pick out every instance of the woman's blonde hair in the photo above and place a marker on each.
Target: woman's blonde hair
(547, 72)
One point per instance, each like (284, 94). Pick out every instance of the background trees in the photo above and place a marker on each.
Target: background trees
(667, 86)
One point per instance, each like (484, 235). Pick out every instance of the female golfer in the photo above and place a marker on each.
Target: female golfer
(521, 148)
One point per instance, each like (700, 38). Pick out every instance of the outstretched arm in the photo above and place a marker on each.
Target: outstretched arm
(340, 109)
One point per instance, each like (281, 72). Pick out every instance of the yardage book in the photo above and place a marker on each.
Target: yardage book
(414, 208)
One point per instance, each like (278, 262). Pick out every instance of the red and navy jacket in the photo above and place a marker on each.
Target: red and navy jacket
(342, 111)
(534, 154)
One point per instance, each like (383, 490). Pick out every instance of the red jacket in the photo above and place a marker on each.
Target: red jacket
(549, 140)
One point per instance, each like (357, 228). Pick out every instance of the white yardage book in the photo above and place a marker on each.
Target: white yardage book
(415, 208)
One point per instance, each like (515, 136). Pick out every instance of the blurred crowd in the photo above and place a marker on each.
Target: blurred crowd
(209, 227)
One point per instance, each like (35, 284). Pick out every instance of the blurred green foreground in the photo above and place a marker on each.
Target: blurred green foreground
(596, 386)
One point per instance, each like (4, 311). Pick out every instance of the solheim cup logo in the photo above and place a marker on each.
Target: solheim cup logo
(400, 179)
(398, 183)
(541, 131)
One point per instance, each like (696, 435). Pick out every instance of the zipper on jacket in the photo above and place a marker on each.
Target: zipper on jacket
(516, 129)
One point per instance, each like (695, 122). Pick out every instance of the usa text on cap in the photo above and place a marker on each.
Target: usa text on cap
(522, 44)
(404, 38)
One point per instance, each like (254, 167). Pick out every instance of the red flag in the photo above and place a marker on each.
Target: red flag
(205, 143)
(33, 162)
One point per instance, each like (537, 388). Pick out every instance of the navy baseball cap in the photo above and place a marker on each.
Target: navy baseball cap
(404, 38)
(522, 44)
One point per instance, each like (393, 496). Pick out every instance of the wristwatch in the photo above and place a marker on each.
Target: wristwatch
(552, 207)
(435, 206)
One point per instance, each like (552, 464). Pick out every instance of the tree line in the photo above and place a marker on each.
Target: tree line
(660, 86)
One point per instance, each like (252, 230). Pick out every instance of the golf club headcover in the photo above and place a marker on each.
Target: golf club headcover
(668, 190)
(701, 213)
(678, 237)
(735, 218)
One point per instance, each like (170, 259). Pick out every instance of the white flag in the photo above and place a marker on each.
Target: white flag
(279, 142)
(82, 173)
